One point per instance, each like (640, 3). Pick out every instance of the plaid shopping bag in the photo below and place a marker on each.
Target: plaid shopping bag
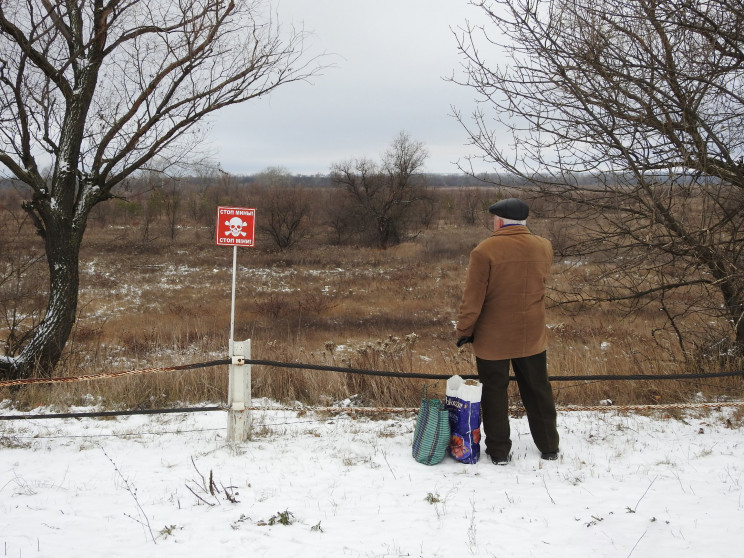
(432, 433)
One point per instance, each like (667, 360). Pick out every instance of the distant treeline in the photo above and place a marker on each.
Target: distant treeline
(434, 180)
(292, 207)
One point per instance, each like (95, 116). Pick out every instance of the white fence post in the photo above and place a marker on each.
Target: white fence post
(239, 392)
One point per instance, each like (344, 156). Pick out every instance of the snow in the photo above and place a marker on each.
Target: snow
(624, 485)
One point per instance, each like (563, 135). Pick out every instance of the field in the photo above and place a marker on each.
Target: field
(156, 295)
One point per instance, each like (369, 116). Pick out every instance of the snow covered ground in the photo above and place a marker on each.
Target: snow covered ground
(310, 485)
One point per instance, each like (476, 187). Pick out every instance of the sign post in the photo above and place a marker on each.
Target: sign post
(236, 227)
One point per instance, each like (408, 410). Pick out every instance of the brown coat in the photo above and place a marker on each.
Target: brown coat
(503, 304)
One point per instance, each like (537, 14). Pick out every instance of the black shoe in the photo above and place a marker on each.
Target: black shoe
(500, 460)
(549, 455)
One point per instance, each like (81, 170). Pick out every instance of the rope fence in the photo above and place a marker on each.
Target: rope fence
(105, 375)
(361, 410)
(99, 414)
(327, 368)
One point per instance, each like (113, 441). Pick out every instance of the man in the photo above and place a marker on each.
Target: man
(502, 314)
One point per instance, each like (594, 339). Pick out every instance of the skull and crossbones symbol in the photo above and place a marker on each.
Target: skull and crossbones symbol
(236, 225)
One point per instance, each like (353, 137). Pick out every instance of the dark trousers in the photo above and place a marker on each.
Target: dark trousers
(537, 396)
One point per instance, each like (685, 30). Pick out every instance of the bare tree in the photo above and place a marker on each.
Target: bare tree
(342, 216)
(472, 204)
(285, 209)
(172, 205)
(101, 89)
(627, 115)
(386, 193)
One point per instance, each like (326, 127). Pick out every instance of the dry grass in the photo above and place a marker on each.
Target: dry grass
(161, 302)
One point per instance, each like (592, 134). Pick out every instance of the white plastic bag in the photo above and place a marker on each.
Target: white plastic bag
(463, 403)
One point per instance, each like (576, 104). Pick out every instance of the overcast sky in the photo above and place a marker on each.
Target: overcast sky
(390, 59)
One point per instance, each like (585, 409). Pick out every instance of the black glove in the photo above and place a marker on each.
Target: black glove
(462, 340)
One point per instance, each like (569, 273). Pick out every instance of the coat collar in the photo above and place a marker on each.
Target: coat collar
(512, 229)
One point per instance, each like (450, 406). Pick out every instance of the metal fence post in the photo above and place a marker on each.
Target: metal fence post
(239, 392)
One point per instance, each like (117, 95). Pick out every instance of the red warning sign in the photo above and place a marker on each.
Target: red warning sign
(236, 226)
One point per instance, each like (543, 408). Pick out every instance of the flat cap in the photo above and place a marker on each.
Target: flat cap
(510, 208)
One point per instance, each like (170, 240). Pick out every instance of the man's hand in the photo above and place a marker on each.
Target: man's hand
(463, 340)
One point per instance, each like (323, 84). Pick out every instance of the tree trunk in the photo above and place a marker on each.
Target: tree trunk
(383, 232)
(42, 353)
(735, 310)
